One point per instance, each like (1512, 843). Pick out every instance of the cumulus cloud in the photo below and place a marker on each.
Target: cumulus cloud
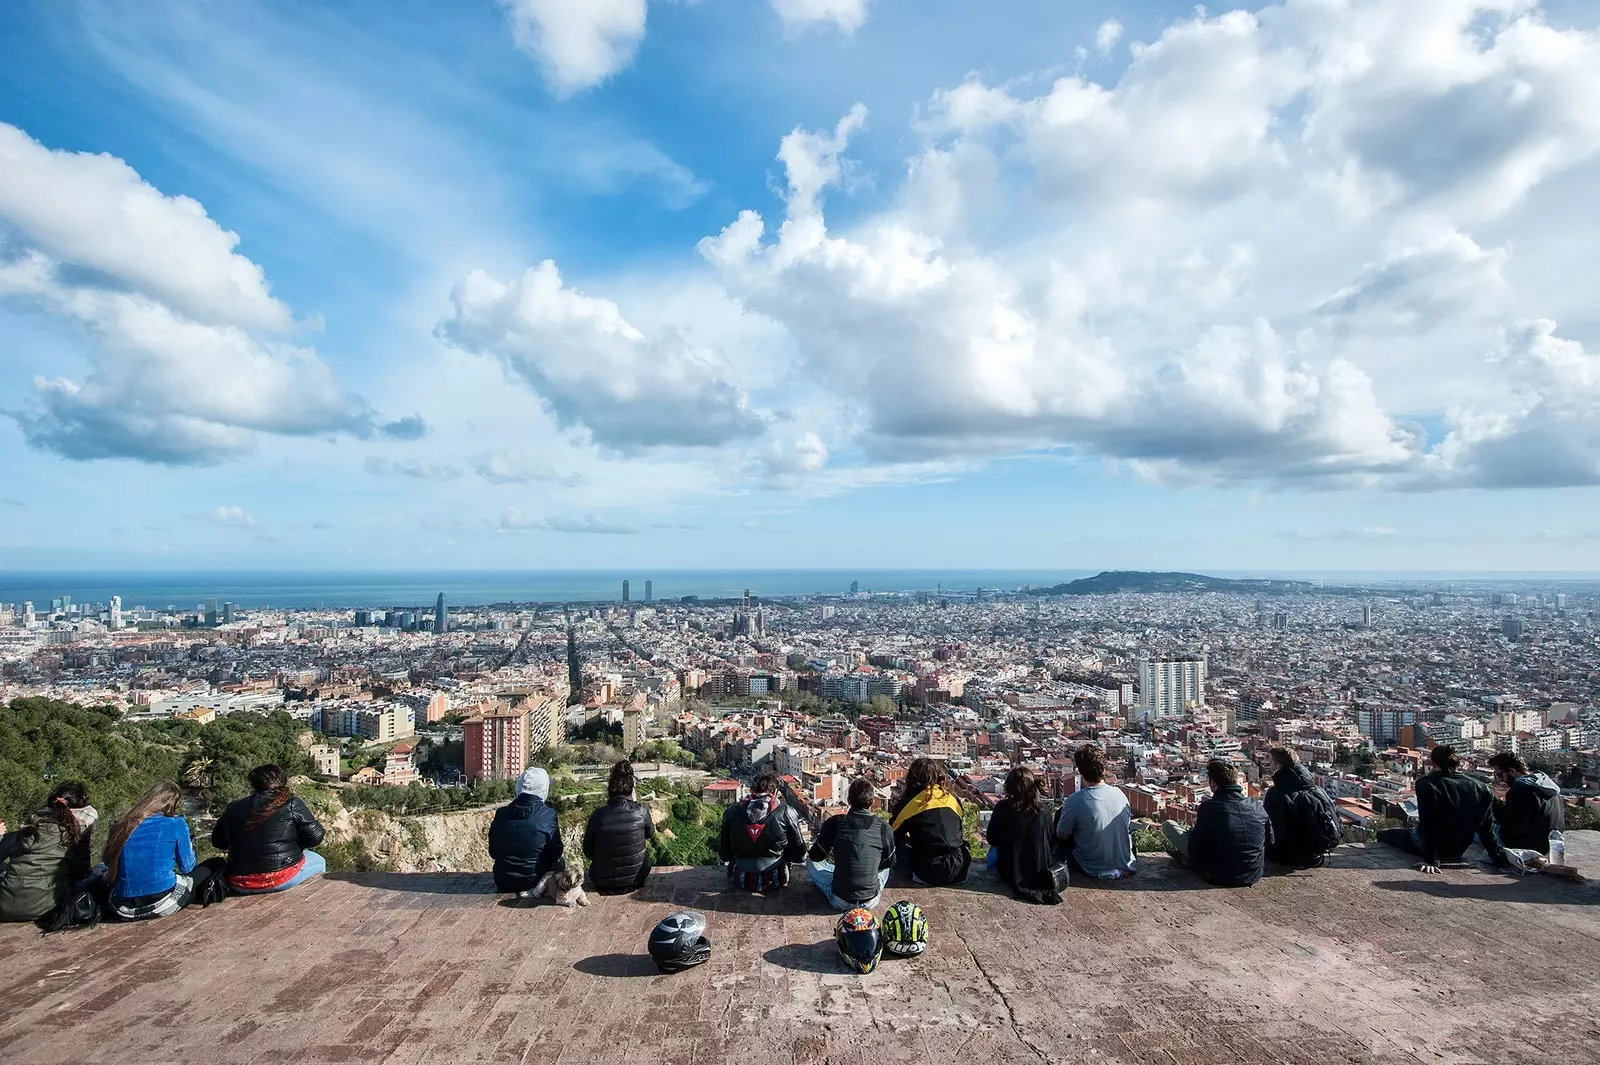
(1420, 286)
(232, 517)
(185, 364)
(1107, 36)
(797, 15)
(411, 427)
(513, 519)
(595, 370)
(96, 212)
(504, 467)
(578, 43)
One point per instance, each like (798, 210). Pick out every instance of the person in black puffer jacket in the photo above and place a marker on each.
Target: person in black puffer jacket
(1305, 821)
(617, 838)
(525, 836)
(760, 837)
(1231, 834)
(268, 835)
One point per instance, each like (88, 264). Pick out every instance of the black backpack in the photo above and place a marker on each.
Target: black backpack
(1329, 833)
(81, 909)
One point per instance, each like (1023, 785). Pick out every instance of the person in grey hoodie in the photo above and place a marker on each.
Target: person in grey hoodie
(1532, 807)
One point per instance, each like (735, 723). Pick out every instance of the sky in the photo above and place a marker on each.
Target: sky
(800, 283)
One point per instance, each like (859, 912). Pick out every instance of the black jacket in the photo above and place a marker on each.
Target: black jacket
(616, 842)
(1228, 846)
(1451, 809)
(862, 846)
(935, 843)
(1530, 811)
(525, 843)
(1024, 842)
(276, 843)
(757, 834)
(1299, 810)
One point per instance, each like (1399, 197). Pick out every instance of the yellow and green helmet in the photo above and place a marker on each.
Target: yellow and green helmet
(905, 930)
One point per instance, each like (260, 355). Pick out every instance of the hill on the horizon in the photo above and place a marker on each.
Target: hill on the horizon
(1112, 581)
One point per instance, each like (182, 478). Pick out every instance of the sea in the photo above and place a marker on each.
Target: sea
(349, 590)
(306, 590)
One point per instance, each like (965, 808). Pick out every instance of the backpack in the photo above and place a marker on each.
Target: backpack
(1326, 829)
(81, 909)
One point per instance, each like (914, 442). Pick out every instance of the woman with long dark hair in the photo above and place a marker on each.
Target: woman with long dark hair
(616, 839)
(1019, 830)
(268, 835)
(150, 858)
(44, 861)
(929, 840)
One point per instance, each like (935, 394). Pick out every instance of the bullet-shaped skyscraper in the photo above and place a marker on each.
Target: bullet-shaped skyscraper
(440, 618)
(624, 591)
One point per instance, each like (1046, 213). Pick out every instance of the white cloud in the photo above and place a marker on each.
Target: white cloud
(512, 519)
(578, 43)
(1107, 36)
(421, 471)
(594, 369)
(797, 15)
(504, 467)
(184, 368)
(232, 517)
(94, 211)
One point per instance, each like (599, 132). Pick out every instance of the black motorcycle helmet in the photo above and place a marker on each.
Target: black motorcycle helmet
(680, 942)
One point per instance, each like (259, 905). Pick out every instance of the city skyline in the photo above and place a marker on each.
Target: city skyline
(645, 287)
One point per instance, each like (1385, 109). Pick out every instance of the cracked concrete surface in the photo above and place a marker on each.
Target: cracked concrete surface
(1366, 961)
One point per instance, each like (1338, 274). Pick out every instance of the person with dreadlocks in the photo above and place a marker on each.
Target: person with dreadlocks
(268, 835)
(43, 862)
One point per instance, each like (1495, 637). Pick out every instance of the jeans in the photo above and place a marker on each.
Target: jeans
(315, 865)
(1177, 839)
(1402, 839)
(822, 876)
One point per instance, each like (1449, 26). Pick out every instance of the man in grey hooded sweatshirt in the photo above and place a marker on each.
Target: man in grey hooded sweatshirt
(1531, 809)
(525, 836)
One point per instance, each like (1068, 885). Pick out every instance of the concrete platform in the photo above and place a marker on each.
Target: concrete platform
(1365, 961)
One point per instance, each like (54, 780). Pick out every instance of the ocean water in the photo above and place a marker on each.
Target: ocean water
(349, 590)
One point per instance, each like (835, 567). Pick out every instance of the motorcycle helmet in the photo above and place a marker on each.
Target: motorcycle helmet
(858, 941)
(905, 930)
(679, 942)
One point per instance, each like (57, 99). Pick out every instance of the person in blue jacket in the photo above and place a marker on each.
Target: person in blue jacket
(525, 836)
(149, 858)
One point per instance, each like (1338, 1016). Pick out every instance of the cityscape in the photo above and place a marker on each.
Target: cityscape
(1359, 682)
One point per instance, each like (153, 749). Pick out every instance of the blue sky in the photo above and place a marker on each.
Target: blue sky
(800, 283)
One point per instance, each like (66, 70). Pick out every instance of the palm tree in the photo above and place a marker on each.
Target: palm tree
(197, 772)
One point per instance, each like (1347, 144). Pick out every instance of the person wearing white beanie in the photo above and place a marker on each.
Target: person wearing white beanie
(525, 836)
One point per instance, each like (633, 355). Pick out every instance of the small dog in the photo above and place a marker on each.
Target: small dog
(563, 885)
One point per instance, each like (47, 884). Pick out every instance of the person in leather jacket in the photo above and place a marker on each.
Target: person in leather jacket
(268, 835)
(617, 838)
(760, 837)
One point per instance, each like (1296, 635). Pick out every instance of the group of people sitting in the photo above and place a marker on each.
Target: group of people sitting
(148, 867)
(1232, 839)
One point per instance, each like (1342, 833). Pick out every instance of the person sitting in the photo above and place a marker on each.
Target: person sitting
(760, 837)
(852, 855)
(930, 842)
(43, 862)
(268, 835)
(525, 837)
(149, 858)
(1452, 808)
(1019, 831)
(1532, 807)
(1305, 821)
(1228, 844)
(1095, 825)
(617, 837)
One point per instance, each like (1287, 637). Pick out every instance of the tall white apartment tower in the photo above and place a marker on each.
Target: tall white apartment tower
(116, 612)
(1168, 687)
(27, 615)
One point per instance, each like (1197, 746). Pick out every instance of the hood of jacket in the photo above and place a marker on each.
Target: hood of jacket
(757, 808)
(1293, 778)
(1541, 783)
